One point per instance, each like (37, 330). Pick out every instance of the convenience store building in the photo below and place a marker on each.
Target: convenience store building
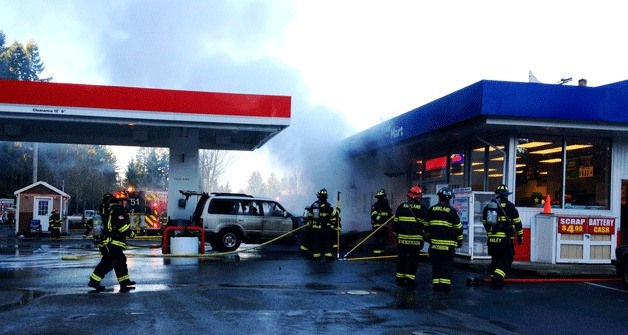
(568, 142)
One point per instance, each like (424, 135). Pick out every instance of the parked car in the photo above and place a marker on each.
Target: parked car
(231, 218)
(621, 263)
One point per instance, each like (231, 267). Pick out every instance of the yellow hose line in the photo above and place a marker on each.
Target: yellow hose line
(369, 236)
(369, 258)
(94, 256)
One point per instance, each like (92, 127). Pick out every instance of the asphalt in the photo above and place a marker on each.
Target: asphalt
(519, 270)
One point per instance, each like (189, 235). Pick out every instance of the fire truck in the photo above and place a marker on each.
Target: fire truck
(148, 210)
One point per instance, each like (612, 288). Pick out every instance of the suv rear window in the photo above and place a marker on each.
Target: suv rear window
(222, 206)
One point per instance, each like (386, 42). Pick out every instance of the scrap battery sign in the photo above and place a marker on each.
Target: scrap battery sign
(586, 225)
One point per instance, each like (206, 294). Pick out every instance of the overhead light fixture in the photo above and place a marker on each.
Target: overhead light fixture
(543, 172)
(519, 171)
(533, 144)
(559, 149)
(501, 147)
(551, 160)
(495, 175)
(520, 165)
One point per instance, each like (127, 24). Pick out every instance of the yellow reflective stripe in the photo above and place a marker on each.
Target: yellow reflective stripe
(95, 277)
(123, 278)
(444, 242)
(410, 237)
(412, 277)
(458, 226)
(118, 243)
(497, 234)
(436, 281)
(124, 228)
(445, 281)
(407, 219)
(399, 275)
(441, 223)
(501, 273)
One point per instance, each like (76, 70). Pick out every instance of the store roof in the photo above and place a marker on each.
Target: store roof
(490, 107)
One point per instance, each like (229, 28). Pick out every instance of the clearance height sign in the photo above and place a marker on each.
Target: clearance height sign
(586, 225)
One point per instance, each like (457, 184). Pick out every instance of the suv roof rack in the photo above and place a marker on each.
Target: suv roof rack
(231, 194)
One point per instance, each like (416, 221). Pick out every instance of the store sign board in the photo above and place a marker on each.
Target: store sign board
(586, 225)
(571, 225)
(601, 226)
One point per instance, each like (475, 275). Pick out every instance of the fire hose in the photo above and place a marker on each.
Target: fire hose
(482, 281)
(95, 256)
(344, 258)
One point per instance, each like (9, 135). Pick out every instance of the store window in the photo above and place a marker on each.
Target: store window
(539, 170)
(487, 165)
(456, 169)
(587, 177)
(478, 162)
(541, 167)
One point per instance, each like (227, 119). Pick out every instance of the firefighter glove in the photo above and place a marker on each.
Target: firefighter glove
(519, 239)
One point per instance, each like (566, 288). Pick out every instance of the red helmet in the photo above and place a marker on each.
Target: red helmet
(120, 195)
(415, 192)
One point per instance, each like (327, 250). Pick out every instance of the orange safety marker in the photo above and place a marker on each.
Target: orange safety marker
(548, 205)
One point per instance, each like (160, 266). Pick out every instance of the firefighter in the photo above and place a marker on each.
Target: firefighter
(380, 215)
(502, 224)
(318, 220)
(408, 228)
(334, 227)
(54, 222)
(116, 230)
(444, 232)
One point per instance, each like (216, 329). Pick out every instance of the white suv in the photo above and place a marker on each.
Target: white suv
(230, 219)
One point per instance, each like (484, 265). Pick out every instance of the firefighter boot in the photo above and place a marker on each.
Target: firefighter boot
(96, 285)
(127, 285)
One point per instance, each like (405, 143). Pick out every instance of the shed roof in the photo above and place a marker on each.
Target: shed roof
(44, 184)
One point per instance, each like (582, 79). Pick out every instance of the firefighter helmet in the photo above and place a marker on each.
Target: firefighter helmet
(415, 192)
(322, 193)
(502, 189)
(107, 198)
(120, 195)
(445, 194)
(381, 193)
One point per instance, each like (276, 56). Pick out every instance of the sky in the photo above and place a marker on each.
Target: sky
(348, 65)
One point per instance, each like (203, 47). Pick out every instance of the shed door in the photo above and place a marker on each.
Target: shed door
(42, 208)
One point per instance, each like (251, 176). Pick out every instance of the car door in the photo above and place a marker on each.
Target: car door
(249, 218)
(276, 220)
(221, 213)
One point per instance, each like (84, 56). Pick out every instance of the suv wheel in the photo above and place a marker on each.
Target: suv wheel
(228, 240)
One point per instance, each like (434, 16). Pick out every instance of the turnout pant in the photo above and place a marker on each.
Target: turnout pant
(442, 266)
(113, 258)
(380, 239)
(55, 233)
(502, 255)
(407, 263)
(321, 243)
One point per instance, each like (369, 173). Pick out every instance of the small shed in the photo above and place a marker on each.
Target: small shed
(36, 202)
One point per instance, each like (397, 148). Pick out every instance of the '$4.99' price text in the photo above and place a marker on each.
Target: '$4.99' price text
(571, 229)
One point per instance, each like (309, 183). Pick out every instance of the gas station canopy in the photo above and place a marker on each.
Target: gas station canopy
(144, 117)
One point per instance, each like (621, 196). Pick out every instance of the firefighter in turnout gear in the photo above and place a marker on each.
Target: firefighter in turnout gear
(380, 215)
(116, 230)
(444, 232)
(320, 237)
(503, 225)
(408, 228)
(54, 222)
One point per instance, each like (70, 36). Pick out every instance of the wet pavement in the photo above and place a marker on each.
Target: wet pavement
(269, 290)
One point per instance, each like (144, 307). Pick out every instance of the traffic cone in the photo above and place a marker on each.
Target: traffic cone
(548, 205)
